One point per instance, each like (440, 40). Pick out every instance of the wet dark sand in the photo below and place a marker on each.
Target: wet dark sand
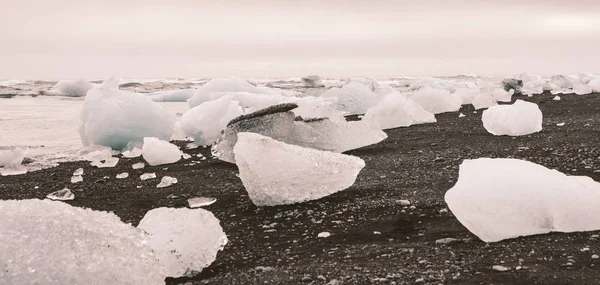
(418, 163)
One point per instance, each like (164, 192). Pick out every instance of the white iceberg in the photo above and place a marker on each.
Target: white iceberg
(396, 111)
(518, 119)
(436, 101)
(352, 99)
(185, 240)
(158, 152)
(114, 118)
(498, 199)
(205, 122)
(49, 242)
(71, 88)
(132, 149)
(276, 173)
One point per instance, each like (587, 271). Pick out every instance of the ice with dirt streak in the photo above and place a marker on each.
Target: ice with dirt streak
(436, 101)
(205, 122)
(396, 111)
(185, 240)
(158, 152)
(71, 88)
(353, 98)
(50, 242)
(498, 199)
(276, 173)
(519, 119)
(113, 118)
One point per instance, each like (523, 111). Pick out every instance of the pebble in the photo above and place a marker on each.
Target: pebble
(595, 256)
(445, 240)
(500, 268)
(403, 202)
(306, 279)
(324, 235)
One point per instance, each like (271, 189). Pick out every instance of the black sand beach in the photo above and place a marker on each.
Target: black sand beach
(418, 163)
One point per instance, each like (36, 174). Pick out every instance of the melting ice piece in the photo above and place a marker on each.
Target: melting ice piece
(12, 157)
(147, 176)
(185, 240)
(198, 202)
(436, 100)
(84, 245)
(354, 98)
(109, 162)
(498, 199)
(166, 181)
(518, 119)
(396, 111)
(71, 88)
(158, 152)
(114, 118)
(122, 175)
(205, 122)
(76, 178)
(78, 172)
(61, 195)
(138, 165)
(132, 149)
(276, 173)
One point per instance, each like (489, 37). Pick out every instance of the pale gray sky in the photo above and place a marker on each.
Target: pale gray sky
(267, 38)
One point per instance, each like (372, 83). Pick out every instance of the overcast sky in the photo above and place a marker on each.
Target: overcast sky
(267, 38)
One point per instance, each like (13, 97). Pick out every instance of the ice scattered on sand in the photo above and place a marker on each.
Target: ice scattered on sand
(138, 165)
(158, 152)
(436, 101)
(353, 99)
(122, 175)
(276, 173)
(49, 242)
(147, 176)
(76, 178)
(396, 111)
(78, 172)
(556, 98)
(109, 162)
(166, 181)
(323, 235)
(113, 118)
(71, 88)
(518, 119)
(198, 202)
(185, 240)
(61, 195)
(205, 122)
(499, 199)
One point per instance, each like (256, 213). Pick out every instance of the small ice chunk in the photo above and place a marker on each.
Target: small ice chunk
(461, 115)
(582, 90)
(159, 152)
(78, 172)
(95, 153)
(147, 176)
(185, 240)
(560, 124)
(520, 118)
(13, 170)
(61, 195)
(138, 165)
(122, 175)
(50, 242)
(263, 162)
(396, 111)
(560, 82)
(205, 122)
(12, 157)
(186, 156)
(166, 181)
(198, 202)
(132, 149)
(76, 178)
(499, 199)
(556, 98)
(500, 268)
(109, 162)
(323, 235)
(71, 88)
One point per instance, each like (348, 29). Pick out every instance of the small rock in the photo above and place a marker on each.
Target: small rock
(445, 240)
(122, 175)
(324, 235)
(595, 256)
(560, 124)
(500, 268)
(403, 202)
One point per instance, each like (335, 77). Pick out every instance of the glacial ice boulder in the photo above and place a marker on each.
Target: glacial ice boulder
(353, 98)
(50, 242)
(560, 82)
(501, 95)
(396, 111)
(178, 95)
(205, 122)
(527, 78)
(483, 101)
(436, 101)
(276, 173)
(12, 157)
(499, 199)
(185, 240)
(342, 136)
(595, 85)
(158, 152)
(71, 88)
(467, 94)
(379, 88)
(518, 119)
(312, 81)
(231, 84)
(114, 118)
